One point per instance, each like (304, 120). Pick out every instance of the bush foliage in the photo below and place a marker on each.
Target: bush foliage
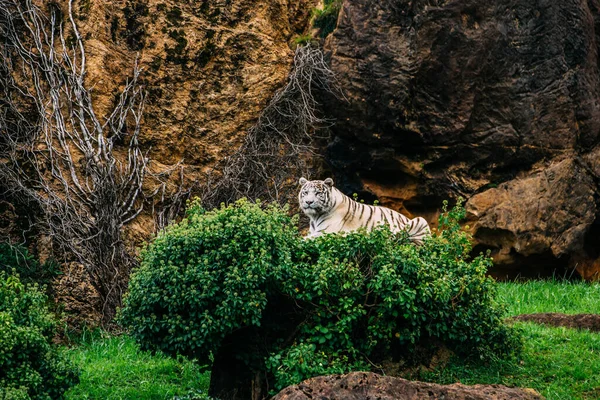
(30, 367)
(207, 277)
(29, 269)
(327, 305)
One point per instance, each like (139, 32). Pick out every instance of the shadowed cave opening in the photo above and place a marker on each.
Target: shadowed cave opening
(591, 242)
(536, 266)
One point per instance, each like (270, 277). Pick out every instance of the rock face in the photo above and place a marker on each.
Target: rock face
(498, 102)
(208, 68)
(367, 385)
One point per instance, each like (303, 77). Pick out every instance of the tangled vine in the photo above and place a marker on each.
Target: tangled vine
(57, 152)
(277, 149)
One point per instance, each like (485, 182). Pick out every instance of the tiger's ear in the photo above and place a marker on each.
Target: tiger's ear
(328, 182)
(302, 181)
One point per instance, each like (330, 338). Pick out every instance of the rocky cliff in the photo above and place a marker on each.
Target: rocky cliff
(497, 102)
(208, 69)
(209, 66)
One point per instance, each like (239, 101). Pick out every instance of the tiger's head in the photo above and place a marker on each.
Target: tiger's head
(315, 197)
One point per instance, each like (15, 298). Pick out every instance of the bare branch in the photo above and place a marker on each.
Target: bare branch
(276, 149)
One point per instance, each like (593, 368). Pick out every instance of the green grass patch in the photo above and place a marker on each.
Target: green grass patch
(113, 367)
(550, 296)
(560, 363)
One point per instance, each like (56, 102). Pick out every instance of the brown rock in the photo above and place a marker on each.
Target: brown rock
(208, 67)
(546, 212)
(367, 385)
(8, 217)
(498, 102)
(80, 300)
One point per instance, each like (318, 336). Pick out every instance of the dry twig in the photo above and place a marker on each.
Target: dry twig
(276, 148)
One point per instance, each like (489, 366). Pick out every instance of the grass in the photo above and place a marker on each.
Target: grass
(550, 296)
(559, 363)
(113, 367)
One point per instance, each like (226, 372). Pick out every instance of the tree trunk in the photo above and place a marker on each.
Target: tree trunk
(233, 378)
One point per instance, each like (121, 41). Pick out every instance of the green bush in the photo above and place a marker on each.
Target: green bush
(29, 269)
(207, 277)
(326, 305)
(30, 367)
(376, 296)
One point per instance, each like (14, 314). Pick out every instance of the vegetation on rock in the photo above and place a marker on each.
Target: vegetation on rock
(282, 141)
(325, 19)
(30, 270)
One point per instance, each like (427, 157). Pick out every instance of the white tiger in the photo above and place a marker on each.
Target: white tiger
(329, 211)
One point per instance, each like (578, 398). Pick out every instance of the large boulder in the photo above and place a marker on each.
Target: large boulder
(545, 214)
(368, 385)
(498, 102)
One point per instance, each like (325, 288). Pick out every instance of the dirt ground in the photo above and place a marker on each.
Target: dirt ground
(578, 321)
(368, 385)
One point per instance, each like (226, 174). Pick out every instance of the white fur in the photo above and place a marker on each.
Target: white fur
(336, 212)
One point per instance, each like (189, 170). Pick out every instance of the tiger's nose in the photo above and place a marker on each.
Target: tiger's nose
(309, 202)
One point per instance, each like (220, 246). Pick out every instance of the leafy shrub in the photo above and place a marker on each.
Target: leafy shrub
(304, 360)
(326, 305)
(29, 269)
(208, 276)
(30, 366)
(326, 19)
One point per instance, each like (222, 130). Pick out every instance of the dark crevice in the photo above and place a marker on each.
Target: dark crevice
(535, 266)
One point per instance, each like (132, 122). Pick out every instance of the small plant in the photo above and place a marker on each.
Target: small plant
(29, 269)
(303, 40)
(302, 360)
(326, 19)
(30, 367)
